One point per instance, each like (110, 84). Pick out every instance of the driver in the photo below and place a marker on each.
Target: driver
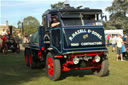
(55, 22)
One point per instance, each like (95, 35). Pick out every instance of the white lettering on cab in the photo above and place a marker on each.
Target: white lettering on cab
(74, 44)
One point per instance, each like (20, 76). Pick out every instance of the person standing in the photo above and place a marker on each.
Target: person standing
(124, 37)
(113, 39)
(4, 32)
(123, 49)
(119, 42)
(1, 41)
(108, 39)
(126, 45)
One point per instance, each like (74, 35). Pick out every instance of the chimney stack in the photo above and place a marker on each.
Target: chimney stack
(7, 23)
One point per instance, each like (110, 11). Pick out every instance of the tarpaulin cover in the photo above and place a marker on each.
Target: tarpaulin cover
(34, 38)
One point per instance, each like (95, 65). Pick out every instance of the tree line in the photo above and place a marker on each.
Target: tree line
(118, 18)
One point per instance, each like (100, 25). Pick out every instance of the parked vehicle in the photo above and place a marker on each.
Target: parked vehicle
(9, 42)
(77, 43)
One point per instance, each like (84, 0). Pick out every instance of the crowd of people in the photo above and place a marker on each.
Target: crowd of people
(121, 42)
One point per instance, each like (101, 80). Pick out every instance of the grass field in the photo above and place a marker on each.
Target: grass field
(14, 72)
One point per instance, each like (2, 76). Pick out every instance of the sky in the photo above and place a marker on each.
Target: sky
(15, 10)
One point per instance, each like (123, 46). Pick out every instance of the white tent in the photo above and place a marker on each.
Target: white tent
(110, 32)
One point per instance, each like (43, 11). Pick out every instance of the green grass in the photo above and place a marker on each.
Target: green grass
(14, 72)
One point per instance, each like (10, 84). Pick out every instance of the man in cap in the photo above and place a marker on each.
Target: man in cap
(55, 22)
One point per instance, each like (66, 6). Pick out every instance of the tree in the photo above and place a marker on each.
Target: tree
(19, 24)
(118, 18)
(62, 5)
(30, 25)
(58, 5)
(118, 6)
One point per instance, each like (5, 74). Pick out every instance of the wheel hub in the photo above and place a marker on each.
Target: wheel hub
(48, 66)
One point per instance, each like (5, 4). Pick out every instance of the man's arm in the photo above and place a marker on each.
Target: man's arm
(55, 24)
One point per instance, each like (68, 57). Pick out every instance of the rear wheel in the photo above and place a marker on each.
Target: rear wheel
(103, 70)
(27, 58)
(32, 63)
(53, 67)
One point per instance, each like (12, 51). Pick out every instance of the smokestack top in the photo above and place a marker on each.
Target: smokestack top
(7, 23)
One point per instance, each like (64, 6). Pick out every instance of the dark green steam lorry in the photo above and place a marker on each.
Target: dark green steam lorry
(77, 43)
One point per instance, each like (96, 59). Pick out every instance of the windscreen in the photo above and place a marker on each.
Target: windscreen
(71, 19)
(92, 19)
(81, 19)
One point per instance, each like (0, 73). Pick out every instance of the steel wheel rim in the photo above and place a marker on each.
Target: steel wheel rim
(50, 66)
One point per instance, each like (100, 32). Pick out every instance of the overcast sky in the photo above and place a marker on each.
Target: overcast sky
(15, 10)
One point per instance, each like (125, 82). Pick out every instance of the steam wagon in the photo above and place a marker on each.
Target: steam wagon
(9, 42)
(77, 43)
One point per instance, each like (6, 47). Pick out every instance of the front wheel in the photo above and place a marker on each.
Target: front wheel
(53, 67)
(103, 70)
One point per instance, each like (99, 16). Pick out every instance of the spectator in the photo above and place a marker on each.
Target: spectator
(124, 37)
(119, 42)
(105, 39)
(4, 32)
(113, 39)
(1, 41)
(123, 49)
(126, 45)
(25, 40)
(108, 39)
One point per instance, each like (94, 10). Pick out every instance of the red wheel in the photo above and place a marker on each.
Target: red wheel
(50, 66)
(26, 57)
(32, 62)
(103, 70)
(53, 67)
